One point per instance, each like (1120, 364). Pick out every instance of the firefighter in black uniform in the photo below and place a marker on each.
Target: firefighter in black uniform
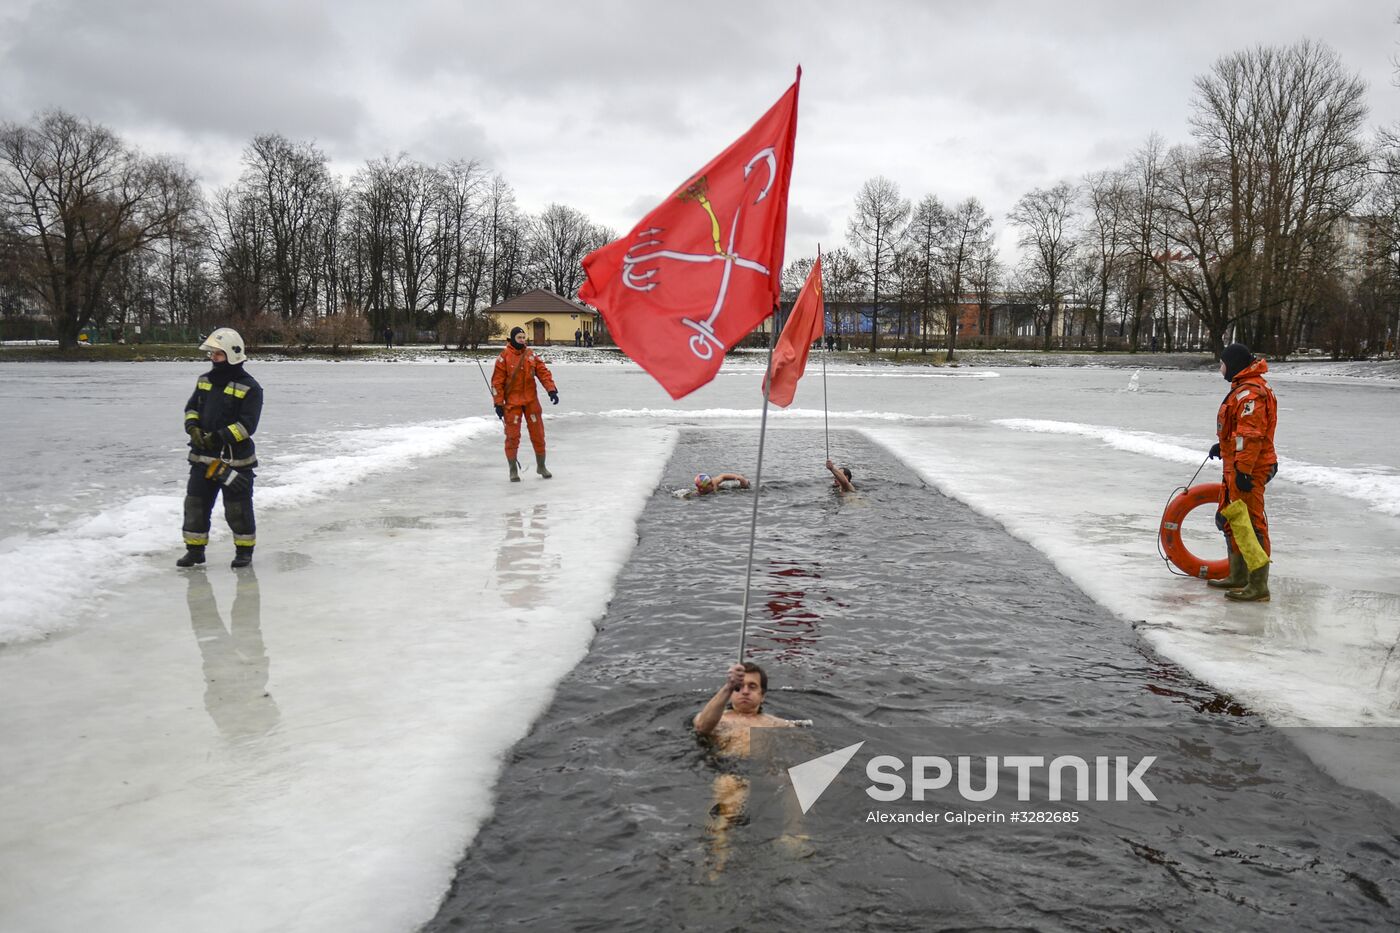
(220, 419)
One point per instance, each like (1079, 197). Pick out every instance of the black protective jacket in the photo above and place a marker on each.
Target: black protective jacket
(227, 402)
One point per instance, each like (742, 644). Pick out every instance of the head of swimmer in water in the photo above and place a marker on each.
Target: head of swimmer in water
(748, 698)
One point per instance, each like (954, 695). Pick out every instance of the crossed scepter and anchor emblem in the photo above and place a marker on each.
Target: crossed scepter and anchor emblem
(703, 342)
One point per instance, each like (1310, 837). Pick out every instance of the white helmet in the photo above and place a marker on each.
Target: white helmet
(226, 339)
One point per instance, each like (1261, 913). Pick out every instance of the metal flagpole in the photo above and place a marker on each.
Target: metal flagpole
(826, 417)
(489, 391)
(757, 485)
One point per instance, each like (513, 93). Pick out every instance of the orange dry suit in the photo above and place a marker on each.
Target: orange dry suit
(1245, 428)
(513, 386)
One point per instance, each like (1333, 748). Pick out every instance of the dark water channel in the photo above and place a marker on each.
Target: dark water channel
(896, 611)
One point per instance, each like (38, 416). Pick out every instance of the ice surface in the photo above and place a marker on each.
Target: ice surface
(312, 751)
(1321, 653)
(39, 589)
(311, 746)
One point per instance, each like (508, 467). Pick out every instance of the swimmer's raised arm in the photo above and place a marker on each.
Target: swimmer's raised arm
(708, 718)
(843, 479)
(732, 477)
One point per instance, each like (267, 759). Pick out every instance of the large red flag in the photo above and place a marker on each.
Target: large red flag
(701, 271)
(806, 323)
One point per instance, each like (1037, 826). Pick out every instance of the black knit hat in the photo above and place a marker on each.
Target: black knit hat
(1235, 357)
(516, 330)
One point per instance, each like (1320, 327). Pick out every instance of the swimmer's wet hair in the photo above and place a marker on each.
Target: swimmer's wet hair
(847, 471)
(752, 668)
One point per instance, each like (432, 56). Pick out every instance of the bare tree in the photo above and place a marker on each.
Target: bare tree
(415, 188)
(842, 280)
(984, 277)
(76, 201)
(1380, 272)
(239, 233)
(874, 234)
(290, 182)
(372, 247)
(1199, 259)
(559, 238)
(458, 280)
(925, 235)
(1105, 237)
(967, 239)
(795, 276)
(1143, 181)
(503, 241)
(1283, 127)
(1044, 216)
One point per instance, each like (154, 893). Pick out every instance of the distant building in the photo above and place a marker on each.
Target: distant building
(547, 318)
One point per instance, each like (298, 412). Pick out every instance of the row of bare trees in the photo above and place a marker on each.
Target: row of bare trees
(95, 233)
(1278, 224)
(906, 267)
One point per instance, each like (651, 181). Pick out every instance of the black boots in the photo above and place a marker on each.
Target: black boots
(1239, 574)
(514, 469)
(539, 466)
(242, 557)
(1256, 591)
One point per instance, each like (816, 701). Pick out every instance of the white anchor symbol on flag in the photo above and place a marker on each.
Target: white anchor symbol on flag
(703, 342)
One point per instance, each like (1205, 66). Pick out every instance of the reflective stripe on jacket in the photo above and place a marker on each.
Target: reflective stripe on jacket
(231, 411)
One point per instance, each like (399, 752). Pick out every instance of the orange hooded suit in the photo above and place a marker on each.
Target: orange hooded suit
(513, 386)
(1245, 428)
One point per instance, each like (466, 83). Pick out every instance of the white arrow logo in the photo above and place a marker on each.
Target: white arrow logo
(811, 778)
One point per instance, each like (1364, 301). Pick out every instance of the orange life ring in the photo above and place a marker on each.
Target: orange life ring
(1184, 504)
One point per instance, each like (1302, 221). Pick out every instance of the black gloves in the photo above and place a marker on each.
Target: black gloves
(202, 439)
(234, 482)
(554, 396)
(1214, 452)
(1243, 483)
(1220, 521)
(501, 412)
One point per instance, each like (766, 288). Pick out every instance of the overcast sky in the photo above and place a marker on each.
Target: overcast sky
(608, 105)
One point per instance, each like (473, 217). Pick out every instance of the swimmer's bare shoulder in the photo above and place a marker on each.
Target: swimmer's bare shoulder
(732, 734)
(736, 708)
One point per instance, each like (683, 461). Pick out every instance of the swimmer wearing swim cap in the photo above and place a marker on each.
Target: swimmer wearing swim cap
(706, 484)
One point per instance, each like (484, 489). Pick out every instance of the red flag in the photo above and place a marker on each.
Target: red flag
(806, 323)
(699, 272)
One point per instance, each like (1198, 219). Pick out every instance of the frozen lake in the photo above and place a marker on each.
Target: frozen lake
(313, 746)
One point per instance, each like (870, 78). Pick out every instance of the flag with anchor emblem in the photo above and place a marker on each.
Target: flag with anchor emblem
(700, 272)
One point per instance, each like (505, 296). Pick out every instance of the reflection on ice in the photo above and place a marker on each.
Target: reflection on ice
(522, 567)
(235, 659)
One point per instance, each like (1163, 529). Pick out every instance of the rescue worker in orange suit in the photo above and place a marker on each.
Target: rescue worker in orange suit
(513, 390)
(220, 417)
(1245, 428)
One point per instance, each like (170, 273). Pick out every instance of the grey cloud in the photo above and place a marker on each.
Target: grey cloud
(438, 138)
(642, 205)
(597, 104)
(231, 69)
(535, 48)
(805, 225)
